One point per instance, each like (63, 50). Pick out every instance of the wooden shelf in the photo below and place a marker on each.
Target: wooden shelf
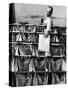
(35, 32)
(20, 42)
(54, 56)
(30, 42)
(55, 44)
(20, 72)
(57, 56)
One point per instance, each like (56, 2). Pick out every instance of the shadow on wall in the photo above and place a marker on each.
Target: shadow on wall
(37, 20)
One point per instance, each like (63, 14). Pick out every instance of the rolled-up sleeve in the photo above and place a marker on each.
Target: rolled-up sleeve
(48, 24)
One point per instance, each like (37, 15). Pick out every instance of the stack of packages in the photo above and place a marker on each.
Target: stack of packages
(28, 66)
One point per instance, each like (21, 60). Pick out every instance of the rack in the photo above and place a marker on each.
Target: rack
(33, 44)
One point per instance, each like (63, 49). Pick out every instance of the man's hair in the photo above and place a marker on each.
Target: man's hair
(51, 9)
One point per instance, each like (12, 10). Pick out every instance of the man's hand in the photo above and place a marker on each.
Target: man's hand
(46, 34)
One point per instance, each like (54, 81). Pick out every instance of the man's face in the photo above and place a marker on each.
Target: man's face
(48, 11)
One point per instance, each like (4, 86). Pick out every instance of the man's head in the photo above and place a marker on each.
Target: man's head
(49, 11)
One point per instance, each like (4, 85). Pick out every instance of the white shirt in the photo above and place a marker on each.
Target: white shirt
(48, 23)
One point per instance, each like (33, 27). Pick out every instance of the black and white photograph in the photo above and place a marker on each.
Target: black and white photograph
(37, 44)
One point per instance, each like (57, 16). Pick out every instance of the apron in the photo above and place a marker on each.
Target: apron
(44, 43)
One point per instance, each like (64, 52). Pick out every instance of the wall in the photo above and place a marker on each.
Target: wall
(33, 13)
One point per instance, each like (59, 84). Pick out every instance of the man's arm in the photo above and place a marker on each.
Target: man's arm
(48, 28)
